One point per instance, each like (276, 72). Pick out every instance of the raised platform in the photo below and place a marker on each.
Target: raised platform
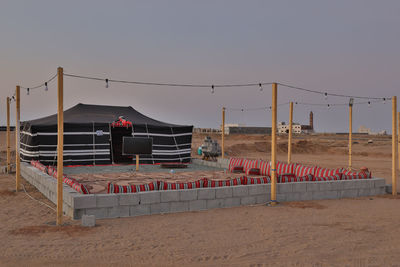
(156, 202)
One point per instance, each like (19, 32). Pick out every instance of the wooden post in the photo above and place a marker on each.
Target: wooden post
(223, 133)
(350, 132)
(290, 133)
(398, 138)
(8, 137)
(137, 162)
(60, 145)
(17, 139)
(273, 143)
(394, 146)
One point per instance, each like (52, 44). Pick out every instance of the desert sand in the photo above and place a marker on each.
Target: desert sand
(347, 232)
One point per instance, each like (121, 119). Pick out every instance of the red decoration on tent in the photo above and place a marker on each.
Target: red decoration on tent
(121, 122)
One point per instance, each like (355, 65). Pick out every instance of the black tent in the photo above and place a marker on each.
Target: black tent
(89, 137)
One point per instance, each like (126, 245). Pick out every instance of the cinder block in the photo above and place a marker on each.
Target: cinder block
(223, 192)
(240, 191)
(189, 194)
(349, 193)
(179, 206)
(160, 208)
(215, 203)
(197, 205)
(149, 197)
(118, 211)
(169, 196)
(100, 213)
(306, 196)
(299, 187)
(107, 200)
(129, 199)
(361, 183)
(284, 188)
(324, 195)
(88, 220)
(84, 201)
(139, 210)
(206, 193)
(349, 184)
(264, 198)
(231, 202)
(281, 197)
(248, 200)
(294, 196)
(259, 189)
(312, 186)
(370, 183)
(379, 182)
(362, 192)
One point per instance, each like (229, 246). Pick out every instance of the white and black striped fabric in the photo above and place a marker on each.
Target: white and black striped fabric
(87, 137)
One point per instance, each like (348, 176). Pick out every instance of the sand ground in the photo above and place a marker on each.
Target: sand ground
(347, 232)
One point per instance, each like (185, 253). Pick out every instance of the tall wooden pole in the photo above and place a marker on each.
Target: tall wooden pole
(8, 137)
(290, 133)
(137, 162)
(350, 133)
(223, 133)
(17, 139)
(60, 145)
(398, 138)
(394, 146)
(273, 143)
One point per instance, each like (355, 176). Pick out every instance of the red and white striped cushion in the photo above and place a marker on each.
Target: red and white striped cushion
(233, 162)
(287, 178)
(357, 175)
(265, 168)
(174, 186)
(306, 178)
(301, 170)
(255, 180)
(212, 183)
(284, 168)
(249, 164)
(335, 177)
(114, 188)
(323, 172)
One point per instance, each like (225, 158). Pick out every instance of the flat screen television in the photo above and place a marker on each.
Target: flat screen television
(137, 145)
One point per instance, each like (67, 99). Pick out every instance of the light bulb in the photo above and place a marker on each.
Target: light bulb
(212, 89)
(106, 83)
(27, 91)
(326, 96)
(46, 88)
(369, 103)
(384, 100)
(329, 106)
(260, 85)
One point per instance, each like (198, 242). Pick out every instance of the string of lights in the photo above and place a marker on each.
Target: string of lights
(267, 108)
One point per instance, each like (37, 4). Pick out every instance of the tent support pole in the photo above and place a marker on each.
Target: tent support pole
(350, 135)
(290, 132)
(273, 143)
(60, 145)
(8, 137)
(137, 162)
(394, 146)
(17, 140)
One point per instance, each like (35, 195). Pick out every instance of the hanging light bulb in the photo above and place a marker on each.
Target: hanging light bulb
(384, 100)
(27, 91)
(369, 104)
(106, 83)
(46, 88)
(295, 103)
(329, 106)
(260, 85)
(242, 110)
(326, 96)
(270, 108)
(212, 89)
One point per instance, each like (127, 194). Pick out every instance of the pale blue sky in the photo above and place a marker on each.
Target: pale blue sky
(349, 47)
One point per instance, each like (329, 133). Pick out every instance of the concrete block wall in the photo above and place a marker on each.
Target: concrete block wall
(220, 163)
(155, 202)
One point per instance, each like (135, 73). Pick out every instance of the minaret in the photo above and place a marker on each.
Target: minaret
(311, 120)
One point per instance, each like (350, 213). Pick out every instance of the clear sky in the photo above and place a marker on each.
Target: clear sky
(340, 46)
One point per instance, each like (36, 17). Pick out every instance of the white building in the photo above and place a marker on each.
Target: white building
(284, 128)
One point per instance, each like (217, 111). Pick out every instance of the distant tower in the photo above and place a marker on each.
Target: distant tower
(311, 120)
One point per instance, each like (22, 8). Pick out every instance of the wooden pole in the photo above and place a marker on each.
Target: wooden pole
(17, 139)
(60, 145)
(350, 133)
(273, 143)
(8, 137)
(398, 138)
(137, 162)
(223, 133)
(394, 146)
(290, 133)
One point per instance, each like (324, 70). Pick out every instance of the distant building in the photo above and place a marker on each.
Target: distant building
(364, 130)
(296, 127)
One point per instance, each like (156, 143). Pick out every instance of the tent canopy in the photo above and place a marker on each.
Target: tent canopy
(83, 113)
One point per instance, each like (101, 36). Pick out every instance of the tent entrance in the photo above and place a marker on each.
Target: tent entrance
(117, 133)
